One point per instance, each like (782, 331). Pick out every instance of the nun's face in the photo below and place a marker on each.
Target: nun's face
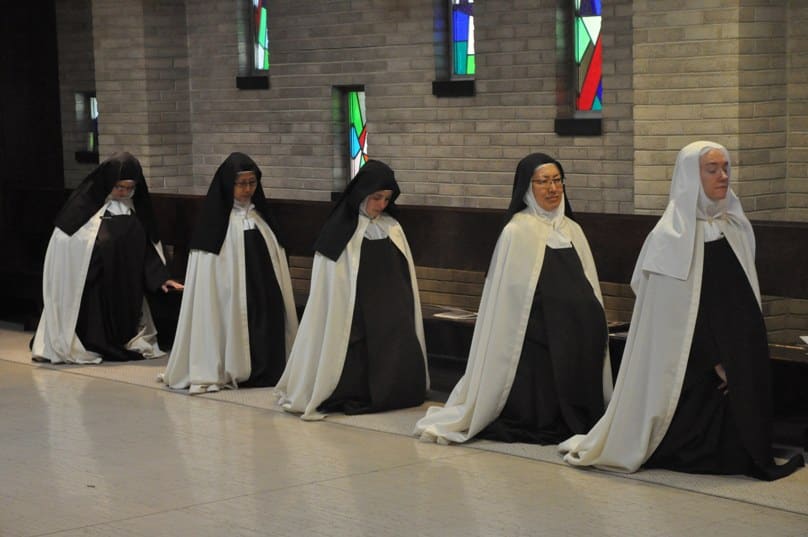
(244, 186)
(377, 202)
(714, 171)
(123, 189)
(547, 186)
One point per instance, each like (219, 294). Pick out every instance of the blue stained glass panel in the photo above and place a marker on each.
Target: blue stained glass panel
(590, 8)
(461, 26)
(462, 37)
(354, 143)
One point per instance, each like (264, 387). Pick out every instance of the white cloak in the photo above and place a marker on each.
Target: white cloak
(212, 343)
(654, 360)
(318, 355)
(67, 261)
(499, 333)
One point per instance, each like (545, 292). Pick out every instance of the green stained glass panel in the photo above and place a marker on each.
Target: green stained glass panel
(357, 131)
(261, 35)
(460, 58)
(582, 40)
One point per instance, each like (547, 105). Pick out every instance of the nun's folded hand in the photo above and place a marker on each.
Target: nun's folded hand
(171, 284)
(722, 374)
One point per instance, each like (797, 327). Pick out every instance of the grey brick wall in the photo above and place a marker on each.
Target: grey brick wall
(730, 70)
(797, 66)
(725, 70)
(76, 75)
(734, 71)
(141, 79)
(762, 128)
(446, 151)
(685, 87)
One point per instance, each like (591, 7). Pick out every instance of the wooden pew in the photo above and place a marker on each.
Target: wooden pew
(462, 239)
(449, 241)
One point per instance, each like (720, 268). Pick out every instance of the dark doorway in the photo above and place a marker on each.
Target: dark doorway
(31, 167)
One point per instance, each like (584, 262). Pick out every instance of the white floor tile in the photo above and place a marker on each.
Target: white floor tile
(83, 455)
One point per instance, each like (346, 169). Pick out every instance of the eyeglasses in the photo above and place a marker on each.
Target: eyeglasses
(246, 184)
(545, 183)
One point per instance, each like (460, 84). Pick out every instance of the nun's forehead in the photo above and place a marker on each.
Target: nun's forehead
(710, 148)
(381, 191)
(544, 165)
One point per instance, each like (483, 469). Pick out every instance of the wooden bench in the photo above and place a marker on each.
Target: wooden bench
(451, 248)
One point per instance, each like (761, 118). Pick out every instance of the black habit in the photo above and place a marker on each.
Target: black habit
(713, 432)
(124, 263)
(557, 389)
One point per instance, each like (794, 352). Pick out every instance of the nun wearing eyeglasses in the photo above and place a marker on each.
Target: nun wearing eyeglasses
(102, 257)
(694, 389)
(237, 320)
(360, 348)
(538, 367)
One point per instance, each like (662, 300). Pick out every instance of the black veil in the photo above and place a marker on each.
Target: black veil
(91, 194)
(215, 216)
(341, 224)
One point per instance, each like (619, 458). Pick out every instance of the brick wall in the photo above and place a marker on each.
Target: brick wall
(463, 288)
(76, 75)
(762, 127)
(685, 87)
(167, 94)
(440, 287)
(786, 319)
(730, 70)
(446, 151)
(797, 65)
(142, 82)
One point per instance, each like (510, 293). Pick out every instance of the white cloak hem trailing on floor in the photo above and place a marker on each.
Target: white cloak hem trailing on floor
(67, 261)
(481, 394)
(318, 355)
(212, 344)
(654, 361)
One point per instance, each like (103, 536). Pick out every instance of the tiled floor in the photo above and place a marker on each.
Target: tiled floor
(82, 456)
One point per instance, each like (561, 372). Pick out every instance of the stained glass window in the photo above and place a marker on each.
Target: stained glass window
(92, 137)
(87, 119)
(462, 32)
(357, 131)
(588, 55)
(260, 35)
